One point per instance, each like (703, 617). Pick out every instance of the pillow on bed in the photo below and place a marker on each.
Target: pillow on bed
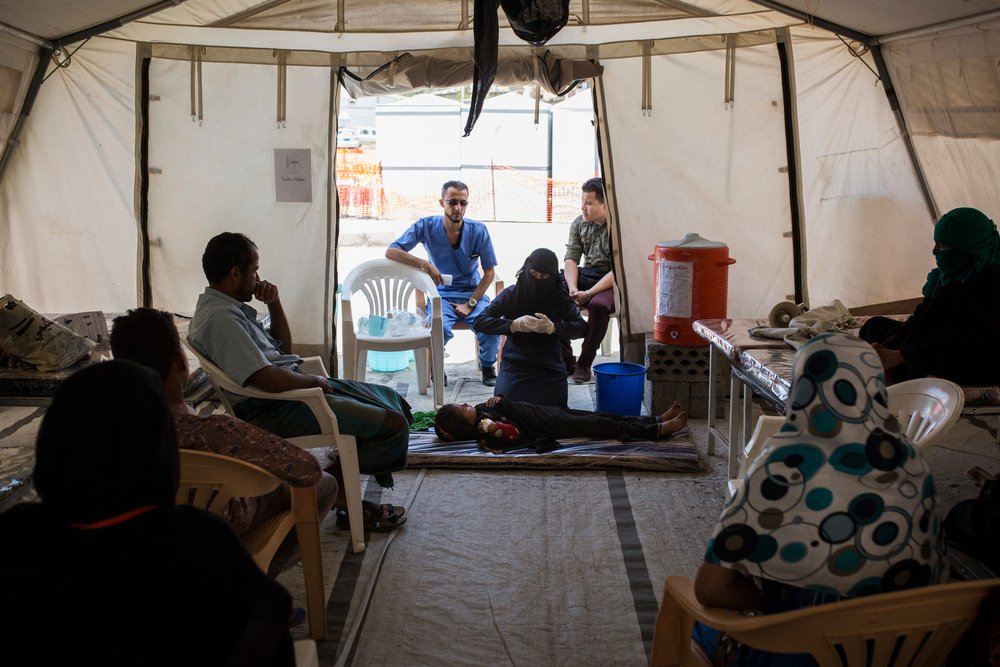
(35, 339)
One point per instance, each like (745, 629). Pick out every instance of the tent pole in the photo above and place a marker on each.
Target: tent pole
(904, 132)
(816, 21)
(332, 221)
(883, 72)
(114, 24)
(611, 201)
(145, 289)
(29, 102)
(795, 199)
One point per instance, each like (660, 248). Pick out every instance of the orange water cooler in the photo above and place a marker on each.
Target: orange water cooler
(690, 282)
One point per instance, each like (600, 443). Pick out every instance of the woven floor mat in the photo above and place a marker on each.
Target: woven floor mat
(676, 454)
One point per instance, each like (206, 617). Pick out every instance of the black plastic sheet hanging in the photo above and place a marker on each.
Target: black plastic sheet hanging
(534, 21)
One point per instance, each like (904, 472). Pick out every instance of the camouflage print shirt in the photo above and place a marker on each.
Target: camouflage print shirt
(592, 240)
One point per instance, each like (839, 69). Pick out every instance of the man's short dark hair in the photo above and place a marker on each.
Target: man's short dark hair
(595, 185)
(225, 251)
(458, 185)
(146, 336)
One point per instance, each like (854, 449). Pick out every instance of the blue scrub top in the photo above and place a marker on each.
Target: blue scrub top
(462, 263)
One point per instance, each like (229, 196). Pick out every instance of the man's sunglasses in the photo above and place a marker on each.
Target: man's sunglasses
(456, 202)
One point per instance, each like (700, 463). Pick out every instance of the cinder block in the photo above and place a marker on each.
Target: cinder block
(676, 363)
(659, 396)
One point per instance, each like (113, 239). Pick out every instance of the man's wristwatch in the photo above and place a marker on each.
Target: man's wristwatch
(471, 303)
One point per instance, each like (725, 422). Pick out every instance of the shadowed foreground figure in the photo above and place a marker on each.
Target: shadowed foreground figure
(106, 570)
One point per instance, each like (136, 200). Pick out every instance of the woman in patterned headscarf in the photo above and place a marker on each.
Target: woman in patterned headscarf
(838, 505)
(952, 334)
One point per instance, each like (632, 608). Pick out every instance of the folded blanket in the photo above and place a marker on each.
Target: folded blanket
(810, 324)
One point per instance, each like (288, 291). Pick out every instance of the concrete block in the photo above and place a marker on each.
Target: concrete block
(693, 397)
(676, 363)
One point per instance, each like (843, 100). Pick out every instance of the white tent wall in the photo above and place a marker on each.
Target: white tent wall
(868, 231)
(68, 236)
(949, 86)
(696, 166)
(220, 176)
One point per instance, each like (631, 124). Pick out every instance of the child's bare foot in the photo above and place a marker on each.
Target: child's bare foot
(671, 426)
(674, 410)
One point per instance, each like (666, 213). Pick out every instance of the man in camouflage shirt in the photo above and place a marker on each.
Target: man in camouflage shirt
(590, 286)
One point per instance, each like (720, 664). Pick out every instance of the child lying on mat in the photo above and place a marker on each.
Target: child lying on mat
(501, 425)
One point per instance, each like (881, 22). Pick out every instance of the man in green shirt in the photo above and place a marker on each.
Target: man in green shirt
(590, 285)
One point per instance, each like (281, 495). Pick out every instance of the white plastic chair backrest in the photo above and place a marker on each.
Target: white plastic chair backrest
(767, 426)
(208, 481)
(215, 375)
(386, 285)
(926, 408)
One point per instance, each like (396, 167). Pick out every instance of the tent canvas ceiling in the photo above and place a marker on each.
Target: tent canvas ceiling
(863, 215)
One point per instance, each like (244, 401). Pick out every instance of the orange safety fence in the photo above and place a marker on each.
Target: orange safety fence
(500, 194)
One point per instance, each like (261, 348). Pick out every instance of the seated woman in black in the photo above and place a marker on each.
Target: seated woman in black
(106, 570)
(534, 314)
(501, 424)
(953, 332)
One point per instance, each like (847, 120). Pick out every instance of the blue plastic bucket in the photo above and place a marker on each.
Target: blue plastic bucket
(389, 362)
(619, 388)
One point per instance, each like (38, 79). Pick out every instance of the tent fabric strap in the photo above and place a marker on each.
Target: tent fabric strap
(647, 78)
(197, 93)
(730, 96)
(282, 57)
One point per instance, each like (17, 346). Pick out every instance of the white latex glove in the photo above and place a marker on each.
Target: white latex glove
(523, 324)
(544, 324)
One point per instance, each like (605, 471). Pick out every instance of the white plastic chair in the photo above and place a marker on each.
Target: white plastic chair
(926, 409)
(329, 434)
(208, 481)
(388, 284)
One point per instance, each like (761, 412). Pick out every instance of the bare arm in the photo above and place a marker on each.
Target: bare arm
(463, 309)
(571, 271)
(717, 586)
(274, 379)
(400, 255)
(268, 293)
(603, 284)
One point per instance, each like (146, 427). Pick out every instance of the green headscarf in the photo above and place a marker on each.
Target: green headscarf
(974, 244)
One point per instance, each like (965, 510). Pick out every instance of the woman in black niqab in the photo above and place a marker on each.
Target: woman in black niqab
(106, 568)
(534, 314)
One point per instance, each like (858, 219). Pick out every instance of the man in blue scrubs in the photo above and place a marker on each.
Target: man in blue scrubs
(456, 247)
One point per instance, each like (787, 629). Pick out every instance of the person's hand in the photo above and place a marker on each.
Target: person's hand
(493, 400)
(432, 271)
(889, 358)
(323, 384)
(544, 324)
(461, 309)
(523, 324)
(266, 292)
(581, 298)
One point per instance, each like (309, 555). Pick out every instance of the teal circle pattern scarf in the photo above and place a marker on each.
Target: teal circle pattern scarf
(839, 501)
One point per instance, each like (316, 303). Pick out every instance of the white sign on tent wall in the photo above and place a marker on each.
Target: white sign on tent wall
(292, 175)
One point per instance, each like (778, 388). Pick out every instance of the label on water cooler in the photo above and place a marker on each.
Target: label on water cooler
(676, 280)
